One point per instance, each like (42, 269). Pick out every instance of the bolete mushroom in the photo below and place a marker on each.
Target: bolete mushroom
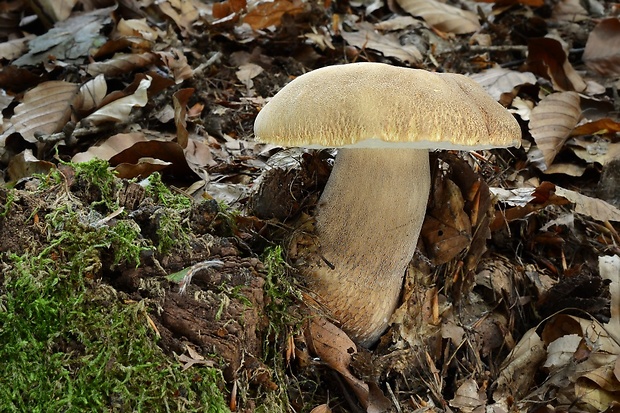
(384, 119)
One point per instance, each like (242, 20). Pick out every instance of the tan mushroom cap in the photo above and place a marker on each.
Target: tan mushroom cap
(367, 104)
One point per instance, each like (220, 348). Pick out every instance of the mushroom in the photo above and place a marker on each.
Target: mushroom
(384, 119)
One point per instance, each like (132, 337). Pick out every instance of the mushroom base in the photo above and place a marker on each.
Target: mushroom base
(367, 225)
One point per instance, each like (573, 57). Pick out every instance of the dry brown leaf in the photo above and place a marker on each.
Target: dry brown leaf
(336, 349)
(69, 40)
(12, 49)
(176, 61)
(25, 164)
(119, 110)
(593, 207)
(552, 121)
(569, 10)
(182, 12)
(247, 72)
(225, 8)
(387, 44)
(547, 58)
(121, 64)
(442, 16)
(518, 372)
(467, 399)
(498, 80)
(44, 109)
(180, 100)
(110, 147)
(267, 13)
(595, 347)
(446, 231)
(599, 150)
(137, 28)
(598, 127)
(602, 53)
(54, 10)
(590, 389)
(144, 157)
(91, 94)
(322, 408)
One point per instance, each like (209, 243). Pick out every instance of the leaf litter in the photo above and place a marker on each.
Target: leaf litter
(173, 87)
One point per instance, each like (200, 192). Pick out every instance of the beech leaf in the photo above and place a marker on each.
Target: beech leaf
(442, 16)
(45, 109)
(552, 121)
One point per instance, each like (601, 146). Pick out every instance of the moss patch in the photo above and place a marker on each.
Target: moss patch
(71, 342)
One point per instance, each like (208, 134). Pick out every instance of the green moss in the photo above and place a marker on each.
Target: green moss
(172, 218)
(162, 195)
(98, 177)
(10, 198)
(172, 229)
(73, 344)
(282, 297)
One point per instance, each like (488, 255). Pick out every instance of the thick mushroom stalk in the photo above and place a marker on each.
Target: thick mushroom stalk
(385, 119)
(368, 221)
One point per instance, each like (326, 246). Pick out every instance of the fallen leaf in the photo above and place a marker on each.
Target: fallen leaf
(54, 10)
(180, 100)
(592, 207)
(169, 157)
(269, 13)
(547, 58)
(597, 127)
(593, 388)
(321, 408)
(552, 121)
(601, 151)
(110, 147)
(91, 94)
(183, 12)
(119, 110)
(122, 63)
(137, 28)
(498, 80)
(25, 164)
(12, 49)
(569, 11)
(247, 72)
(387, 44)
(602, 52)
(44, 109)
(560, 351)
(71, 39)
(177, 63)
(442, 16)
(336, 349)
(467, 399)
(518, 371)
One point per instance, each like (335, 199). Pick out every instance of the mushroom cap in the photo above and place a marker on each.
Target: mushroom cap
(375, 104)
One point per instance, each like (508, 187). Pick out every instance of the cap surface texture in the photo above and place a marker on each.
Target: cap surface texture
(368, 104)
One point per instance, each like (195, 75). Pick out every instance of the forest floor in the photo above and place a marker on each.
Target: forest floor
(145, 232)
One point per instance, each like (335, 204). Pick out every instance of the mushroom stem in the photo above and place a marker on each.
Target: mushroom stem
(368, 221)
